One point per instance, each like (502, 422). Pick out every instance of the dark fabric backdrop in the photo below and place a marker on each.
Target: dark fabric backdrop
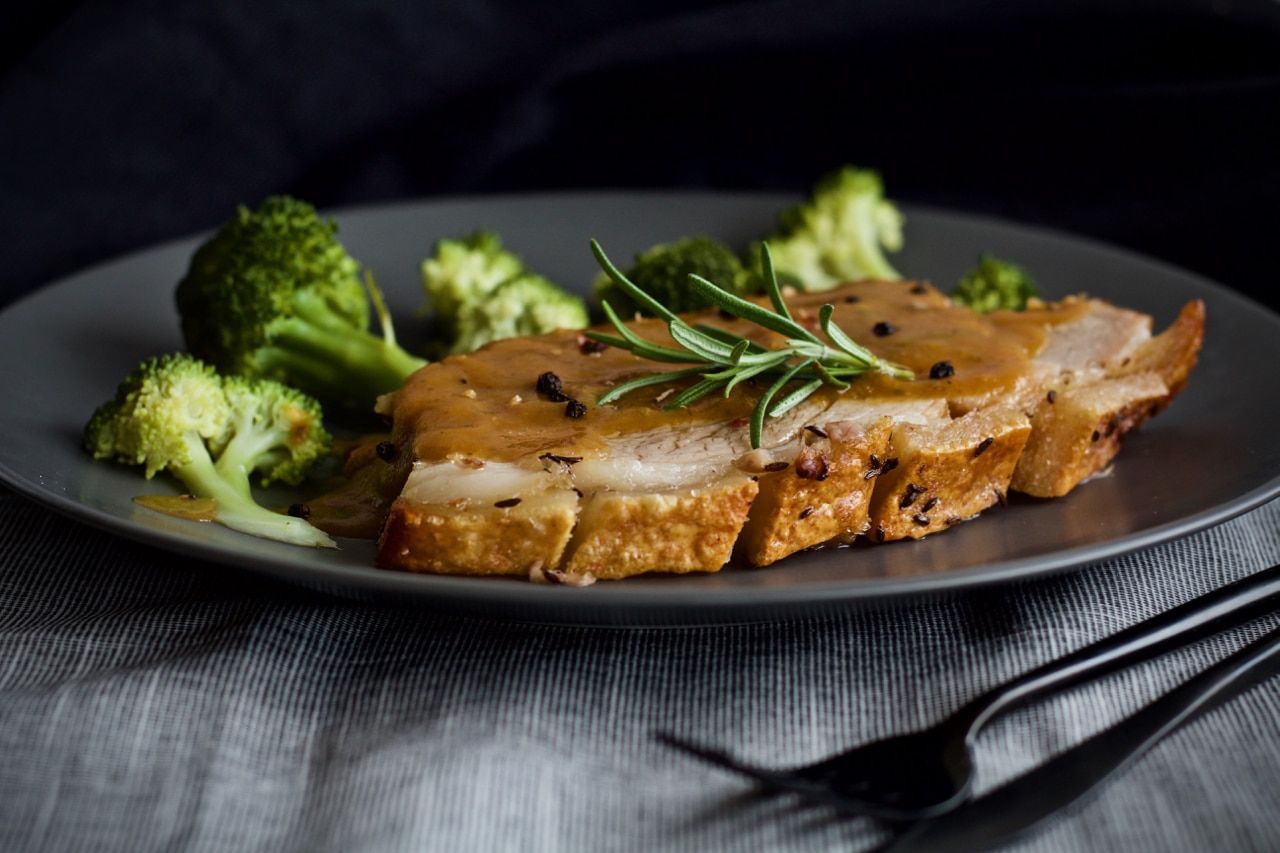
(1152, 125)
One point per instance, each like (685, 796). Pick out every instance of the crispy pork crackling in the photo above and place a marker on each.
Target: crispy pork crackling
(500, 462)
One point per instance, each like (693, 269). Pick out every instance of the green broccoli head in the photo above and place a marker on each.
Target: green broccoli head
(175, 413)
(995, 284)
(481, 292)
(277, 432)
(462, 271)
(526, 304)
(273, 294)
(165, 414)
(663, 272)
(839, 234)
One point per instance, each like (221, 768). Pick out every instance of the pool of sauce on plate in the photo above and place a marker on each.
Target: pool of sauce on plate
(188, 507)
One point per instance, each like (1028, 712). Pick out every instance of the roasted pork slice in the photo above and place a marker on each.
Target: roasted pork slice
(480, 517)
(947, 470)
(816, 492)
(688, 528)
(1104, 375)
(510, 466)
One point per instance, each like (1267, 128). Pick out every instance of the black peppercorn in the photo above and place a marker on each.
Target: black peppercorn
(549, 386)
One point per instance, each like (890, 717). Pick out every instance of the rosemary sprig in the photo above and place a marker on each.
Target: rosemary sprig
(724, 359)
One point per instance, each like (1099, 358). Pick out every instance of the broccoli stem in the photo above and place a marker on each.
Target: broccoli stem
(249, 447)
(326, 358)
(237, 510)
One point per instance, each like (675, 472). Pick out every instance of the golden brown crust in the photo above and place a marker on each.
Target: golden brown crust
(946, 472)
(821, 497)
(679, 531)
(1079, 433)
(1078, 423)
(478, 540)
(1173, 353)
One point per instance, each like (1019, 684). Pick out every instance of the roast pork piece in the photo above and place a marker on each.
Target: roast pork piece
(510, 467)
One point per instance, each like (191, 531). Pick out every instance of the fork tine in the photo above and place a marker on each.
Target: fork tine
(777, 780)
(706, 753)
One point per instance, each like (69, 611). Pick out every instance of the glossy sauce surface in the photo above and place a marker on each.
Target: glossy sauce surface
(486, 404)
(185, 507)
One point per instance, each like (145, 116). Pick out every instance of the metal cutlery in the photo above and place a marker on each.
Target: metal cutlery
(1010, 810)
(928, 772)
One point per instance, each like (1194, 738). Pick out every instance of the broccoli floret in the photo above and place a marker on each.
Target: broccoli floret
(994, 284)
(839, 234)
(274, 294)
(663, 272)
(526, 304)
(462, 271)
(482, 292)
(176, 413)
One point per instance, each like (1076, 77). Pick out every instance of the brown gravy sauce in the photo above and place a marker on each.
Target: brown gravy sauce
(356, 503)
(485, 404)
(187, 507)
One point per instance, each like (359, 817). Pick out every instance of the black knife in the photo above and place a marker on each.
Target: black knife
(1006, 812)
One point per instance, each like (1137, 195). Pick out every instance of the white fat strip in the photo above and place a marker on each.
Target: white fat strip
(621, 474)
(910, 411)
(447, 482)
(668, 460)
(1106, 334)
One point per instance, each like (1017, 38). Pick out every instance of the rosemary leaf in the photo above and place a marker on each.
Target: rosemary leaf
(762, 407)
(724, 359)
(750, 311)
(795, 398)
(708, 349)
(654, 306)
(645, 381)
(729, 337)
(755, 370)
(775, 294)
(694, 393)
(638, 345)
(829, 377)
(851, 347)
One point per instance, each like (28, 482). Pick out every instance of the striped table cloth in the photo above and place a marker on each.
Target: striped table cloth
(149, 702)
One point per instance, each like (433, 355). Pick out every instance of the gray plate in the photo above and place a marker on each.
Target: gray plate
(1213, 454)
